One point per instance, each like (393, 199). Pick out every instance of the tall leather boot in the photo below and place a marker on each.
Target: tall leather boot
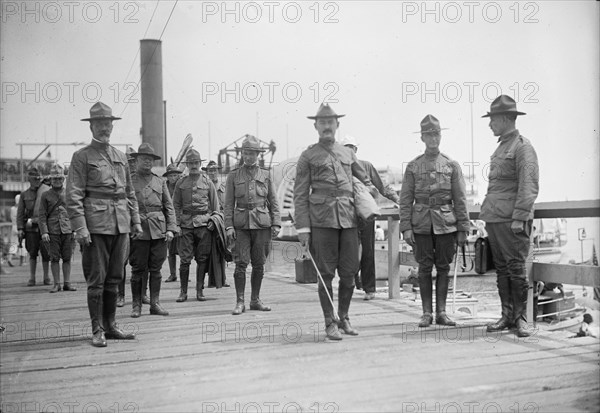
(45, 269)
(518, 290)
(172, 268)
(200, 271)
(55, 268)
(111, 330)
(256, 282)
(331, 326)
(239, 278)
(506, 320)
(32, 269)
(145, 299)
(184, 275)
(155, 307)
(441, 294)
(426, 291)
(136, 298)
(95, 307)
(66, 269)
(344, 299)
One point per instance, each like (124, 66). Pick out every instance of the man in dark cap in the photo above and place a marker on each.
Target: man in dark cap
(149, 249)
(513, 185)
(172, 174)
(103, 210)
(366, 229)
(433, 218)
(27, 225)
(325, 217)
(55, 228)
(251, 219)
(194, 199)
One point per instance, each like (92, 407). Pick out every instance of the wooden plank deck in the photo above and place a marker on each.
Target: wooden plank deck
(201, 358)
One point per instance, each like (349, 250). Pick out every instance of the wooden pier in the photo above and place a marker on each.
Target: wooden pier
(201, 358)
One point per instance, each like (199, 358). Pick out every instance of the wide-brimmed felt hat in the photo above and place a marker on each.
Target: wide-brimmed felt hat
(325, 111)
(172, 169)
(193, 155)
(211, 165)
(503, 104)
(430, 124)
(129, 152)
(100, 111)
(57, 171)
(349, 141)
(251, 143)
(145, 149)
(33, 172)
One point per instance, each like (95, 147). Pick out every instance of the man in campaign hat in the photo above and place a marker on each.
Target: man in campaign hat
(195, 198)
(55, 228)
(366, 229)
(325, 217)
(507, 210)
(433, 218)
(149, 249)
(251, 219)
(173, 173)
(103, 209)
(27, 225)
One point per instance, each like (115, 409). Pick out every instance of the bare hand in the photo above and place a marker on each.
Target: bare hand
(137, 231)
(517, 226)
(275, 231)
(83, 237)
(373, 191)
(230, 232)
(409, 237)
(169, 236)
(46, 238)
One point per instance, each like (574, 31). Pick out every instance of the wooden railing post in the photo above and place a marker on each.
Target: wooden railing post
(393, 257)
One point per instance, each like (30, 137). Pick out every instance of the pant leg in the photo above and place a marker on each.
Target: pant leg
(138, 258)
(347, 266)
(324, 247)
(157, 257)
(425, 256)
(367, 260)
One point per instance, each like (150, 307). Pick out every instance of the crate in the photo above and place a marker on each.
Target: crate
(305, 272)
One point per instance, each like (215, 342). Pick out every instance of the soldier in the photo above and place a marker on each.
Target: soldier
(27, 225)
(55, 228)
(251, 219)
(149, 249)
(121, 298)
(507, 210)
(172, 174)
(102, 207)
(366, 229)
(325, 217)
(194, 199)
(212, 170)
(433, 218)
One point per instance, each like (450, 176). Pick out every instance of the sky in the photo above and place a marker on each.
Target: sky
(261, 67)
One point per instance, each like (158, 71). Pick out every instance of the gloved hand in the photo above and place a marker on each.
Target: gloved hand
(409, 237)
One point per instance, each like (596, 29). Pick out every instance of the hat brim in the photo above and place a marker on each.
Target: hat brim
(504, 112)
(199, 160)
(431, 130)
(204, 168)
(172, 172)
(100, 118)
(135, 155)
(325, 117)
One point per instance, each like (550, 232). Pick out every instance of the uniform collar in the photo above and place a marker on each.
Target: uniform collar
(508, 135)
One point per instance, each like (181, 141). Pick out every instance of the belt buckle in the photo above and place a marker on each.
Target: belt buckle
(432, 202)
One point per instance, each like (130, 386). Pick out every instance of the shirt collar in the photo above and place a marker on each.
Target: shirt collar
(508, 135)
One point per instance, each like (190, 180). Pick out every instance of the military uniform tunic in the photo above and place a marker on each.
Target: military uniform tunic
(54, 220)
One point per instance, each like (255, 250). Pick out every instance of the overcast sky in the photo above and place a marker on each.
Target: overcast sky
(383, 64)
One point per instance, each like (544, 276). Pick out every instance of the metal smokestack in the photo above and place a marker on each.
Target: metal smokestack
(153, 121)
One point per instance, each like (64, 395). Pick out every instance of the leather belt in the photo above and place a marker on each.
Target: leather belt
(193, 212)
(251, 205)
(432, 201)
(150, 209)
(105, 195)
(332, 192)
